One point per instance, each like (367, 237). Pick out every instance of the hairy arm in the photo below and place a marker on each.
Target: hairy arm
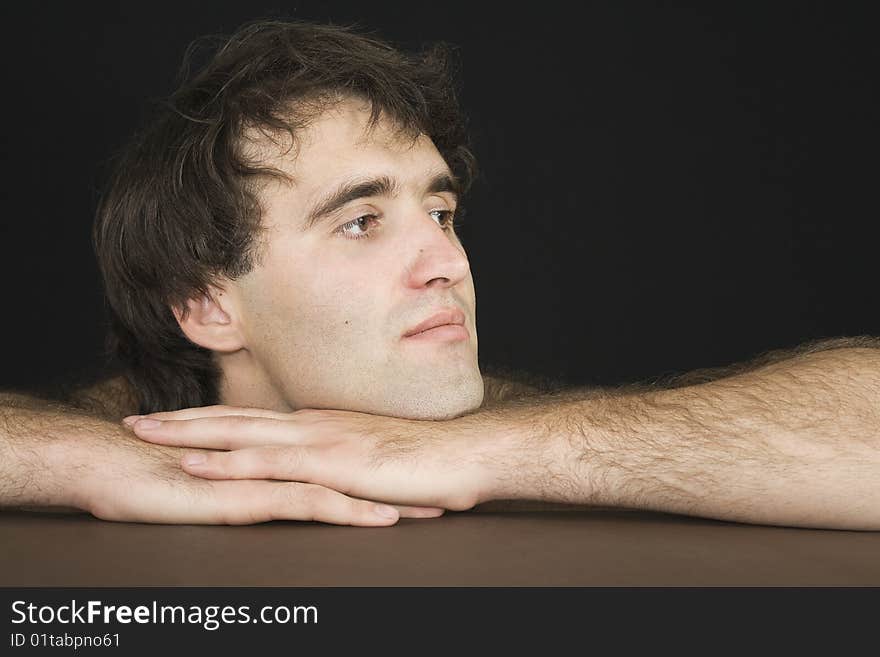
(35, 432)
(39, 441)
(790, 439)
(78, 456)
(50, 449)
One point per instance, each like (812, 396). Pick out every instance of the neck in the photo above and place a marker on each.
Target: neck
(244, 383)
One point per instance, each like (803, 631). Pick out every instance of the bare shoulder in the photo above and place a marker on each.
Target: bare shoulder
(112, 398)
(497, 389)
(500, 384)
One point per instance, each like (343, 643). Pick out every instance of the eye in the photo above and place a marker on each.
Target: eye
(444, 218)
(364, 226)
(358, 228)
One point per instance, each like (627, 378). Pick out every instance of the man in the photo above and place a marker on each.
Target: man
(296, 322)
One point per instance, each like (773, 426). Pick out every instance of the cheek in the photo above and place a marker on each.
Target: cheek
(297, 309)
(351, 312)
(320, 298)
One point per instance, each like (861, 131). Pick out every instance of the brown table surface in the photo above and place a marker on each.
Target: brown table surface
(526, 547)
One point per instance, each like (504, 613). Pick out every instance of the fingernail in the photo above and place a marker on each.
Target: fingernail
(194, 459)
(131, 419)
(147, 424)
(386, 511)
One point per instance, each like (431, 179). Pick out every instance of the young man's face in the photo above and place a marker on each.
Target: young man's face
(325, 312)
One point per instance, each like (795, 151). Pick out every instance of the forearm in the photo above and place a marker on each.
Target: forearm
(60, 457)
(794, 443)
(34, 435)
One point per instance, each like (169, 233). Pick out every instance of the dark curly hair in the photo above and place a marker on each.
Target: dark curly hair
(181, 208)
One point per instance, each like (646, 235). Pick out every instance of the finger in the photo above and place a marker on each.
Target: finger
(296, 501)
(419, 511)
(283, 463)
(251, 465)
(223, 432)
(207, 411)
(326, 505)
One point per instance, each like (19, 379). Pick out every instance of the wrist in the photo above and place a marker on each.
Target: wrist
(76, 459)
(525, 452)
(69, 474)
(31, 476)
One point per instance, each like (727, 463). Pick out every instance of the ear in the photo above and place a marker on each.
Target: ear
(211, 322)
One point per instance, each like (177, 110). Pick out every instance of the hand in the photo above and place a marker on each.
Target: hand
(114, 476)
(382, 458)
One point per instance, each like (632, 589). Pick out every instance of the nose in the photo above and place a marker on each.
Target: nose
(438, 259)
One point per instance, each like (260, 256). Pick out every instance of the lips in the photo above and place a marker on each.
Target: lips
(445, 316)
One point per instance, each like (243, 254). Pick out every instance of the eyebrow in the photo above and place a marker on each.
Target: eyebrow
(353, 190)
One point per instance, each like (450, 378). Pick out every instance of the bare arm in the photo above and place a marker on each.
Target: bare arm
(78, 456)
(34, 433)
(793, 441)
(48, 447)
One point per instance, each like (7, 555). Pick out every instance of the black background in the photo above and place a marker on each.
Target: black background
(663, 188)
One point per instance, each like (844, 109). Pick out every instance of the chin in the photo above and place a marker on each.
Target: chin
(451, 403)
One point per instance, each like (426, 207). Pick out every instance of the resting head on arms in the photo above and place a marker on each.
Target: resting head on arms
(269, 240)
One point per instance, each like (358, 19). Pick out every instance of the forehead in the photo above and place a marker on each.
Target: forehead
(340, 144)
